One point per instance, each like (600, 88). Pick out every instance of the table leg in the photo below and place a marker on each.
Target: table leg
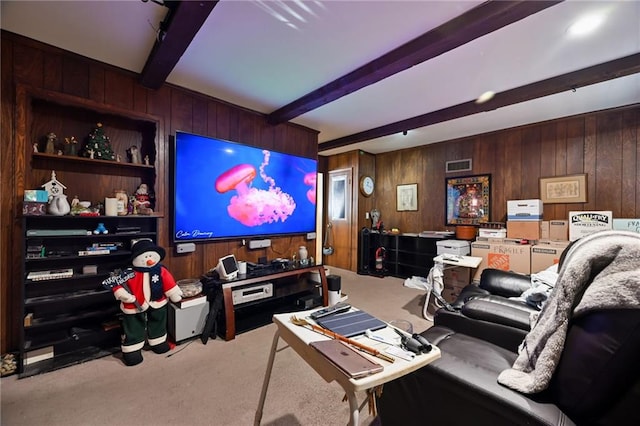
(267, 378)
(354, 411)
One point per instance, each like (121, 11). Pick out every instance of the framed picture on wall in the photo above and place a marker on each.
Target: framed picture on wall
(468, 200)
(407, 197)
(564, 189)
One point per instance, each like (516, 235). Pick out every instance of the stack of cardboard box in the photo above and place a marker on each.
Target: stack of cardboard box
(524, 219)
(531, 244)
(455, 278)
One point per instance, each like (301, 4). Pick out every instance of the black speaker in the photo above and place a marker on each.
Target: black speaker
(333, 282)
(364, 252)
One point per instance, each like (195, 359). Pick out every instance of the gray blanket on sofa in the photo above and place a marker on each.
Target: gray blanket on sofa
(600, 271)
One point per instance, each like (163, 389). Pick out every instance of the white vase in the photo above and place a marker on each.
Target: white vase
(303, 255)
(59, 205)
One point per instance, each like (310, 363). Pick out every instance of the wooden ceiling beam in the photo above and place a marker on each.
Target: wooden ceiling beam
(182, 23)
(479, 21)
(570, 81)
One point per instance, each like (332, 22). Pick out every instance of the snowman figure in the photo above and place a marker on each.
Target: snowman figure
(143, 291)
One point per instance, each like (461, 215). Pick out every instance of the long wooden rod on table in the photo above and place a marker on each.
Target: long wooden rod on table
(333, 335)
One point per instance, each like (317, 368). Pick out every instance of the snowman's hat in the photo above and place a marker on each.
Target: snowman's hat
(145, 245)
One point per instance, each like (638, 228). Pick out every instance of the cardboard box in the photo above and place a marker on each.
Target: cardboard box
(583, 223)
(528, 230)
(492, 233)
(508, 257)
(632, 225)
(559, 230)
(459, 247)
(524, 209)
(546, 254)
(544, 230)
(499, 240)
(450, 294)
(457, 277)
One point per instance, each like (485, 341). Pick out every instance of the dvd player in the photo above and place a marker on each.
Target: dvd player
(249, 294)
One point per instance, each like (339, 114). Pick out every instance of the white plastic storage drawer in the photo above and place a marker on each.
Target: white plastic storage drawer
(459, 247)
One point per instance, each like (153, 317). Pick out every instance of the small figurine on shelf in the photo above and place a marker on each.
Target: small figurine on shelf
(35, 147)
(118, 159)
(142, 200)
(134, 155)
(71, 145)
(91, 153)
(50, 148)
(131, 207)
(100, 229)
(143, 291)
(146, 160)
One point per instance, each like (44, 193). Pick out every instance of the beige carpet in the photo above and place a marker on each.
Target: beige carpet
(214, 384)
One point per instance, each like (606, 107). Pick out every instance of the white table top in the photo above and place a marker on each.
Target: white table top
(299, 337)
(452, 259)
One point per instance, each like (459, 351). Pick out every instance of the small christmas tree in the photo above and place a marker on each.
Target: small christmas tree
(98, 145)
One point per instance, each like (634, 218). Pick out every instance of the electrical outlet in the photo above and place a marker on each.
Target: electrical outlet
(366, 215)
(185, 248)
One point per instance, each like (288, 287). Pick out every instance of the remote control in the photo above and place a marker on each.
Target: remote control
(337, 308)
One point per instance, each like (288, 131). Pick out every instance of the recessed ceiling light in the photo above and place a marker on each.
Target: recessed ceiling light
(585, 25)
(486, 96)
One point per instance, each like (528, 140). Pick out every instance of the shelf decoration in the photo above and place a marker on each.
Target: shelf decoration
(58, 203)
(98, 146)
(134, 155)
(52, 141)
(468, 200)
(71, 146)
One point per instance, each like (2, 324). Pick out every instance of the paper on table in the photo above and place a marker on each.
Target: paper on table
(453, 259)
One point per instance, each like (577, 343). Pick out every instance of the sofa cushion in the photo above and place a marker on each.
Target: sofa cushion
(499, 310)
(461, 388)
(504, 283)
(468, 292)
(599, 365)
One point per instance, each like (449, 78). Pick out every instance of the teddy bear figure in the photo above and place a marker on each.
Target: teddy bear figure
(143, 291)
(143, 200)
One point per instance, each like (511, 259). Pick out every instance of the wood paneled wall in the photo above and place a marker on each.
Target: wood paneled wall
(603, 145)
(38, 65)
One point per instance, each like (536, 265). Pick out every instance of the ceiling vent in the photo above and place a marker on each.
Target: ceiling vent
(458, 166)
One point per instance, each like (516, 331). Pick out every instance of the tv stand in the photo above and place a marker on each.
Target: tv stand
(286, 284)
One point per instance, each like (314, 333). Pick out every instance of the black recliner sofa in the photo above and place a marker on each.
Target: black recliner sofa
(491, 310)
(596, 380)
(487, 311)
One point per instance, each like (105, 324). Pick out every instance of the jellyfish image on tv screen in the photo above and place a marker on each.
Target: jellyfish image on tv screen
(225, 190)
(253, 206)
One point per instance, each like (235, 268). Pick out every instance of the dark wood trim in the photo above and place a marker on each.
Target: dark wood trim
(570, 81)
(181, 25)
(479, 21)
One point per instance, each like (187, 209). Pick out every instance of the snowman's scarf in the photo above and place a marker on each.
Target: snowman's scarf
(155, 280)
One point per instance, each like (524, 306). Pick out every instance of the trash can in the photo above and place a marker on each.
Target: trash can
(333, 285)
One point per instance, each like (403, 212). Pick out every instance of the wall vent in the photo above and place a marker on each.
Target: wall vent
(458, 166)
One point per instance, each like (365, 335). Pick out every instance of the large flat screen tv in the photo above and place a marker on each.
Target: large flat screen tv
(227, 190)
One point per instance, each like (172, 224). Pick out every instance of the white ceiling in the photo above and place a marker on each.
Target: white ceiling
(265, 54)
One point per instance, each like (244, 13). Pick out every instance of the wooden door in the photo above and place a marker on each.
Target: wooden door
(339, 217)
